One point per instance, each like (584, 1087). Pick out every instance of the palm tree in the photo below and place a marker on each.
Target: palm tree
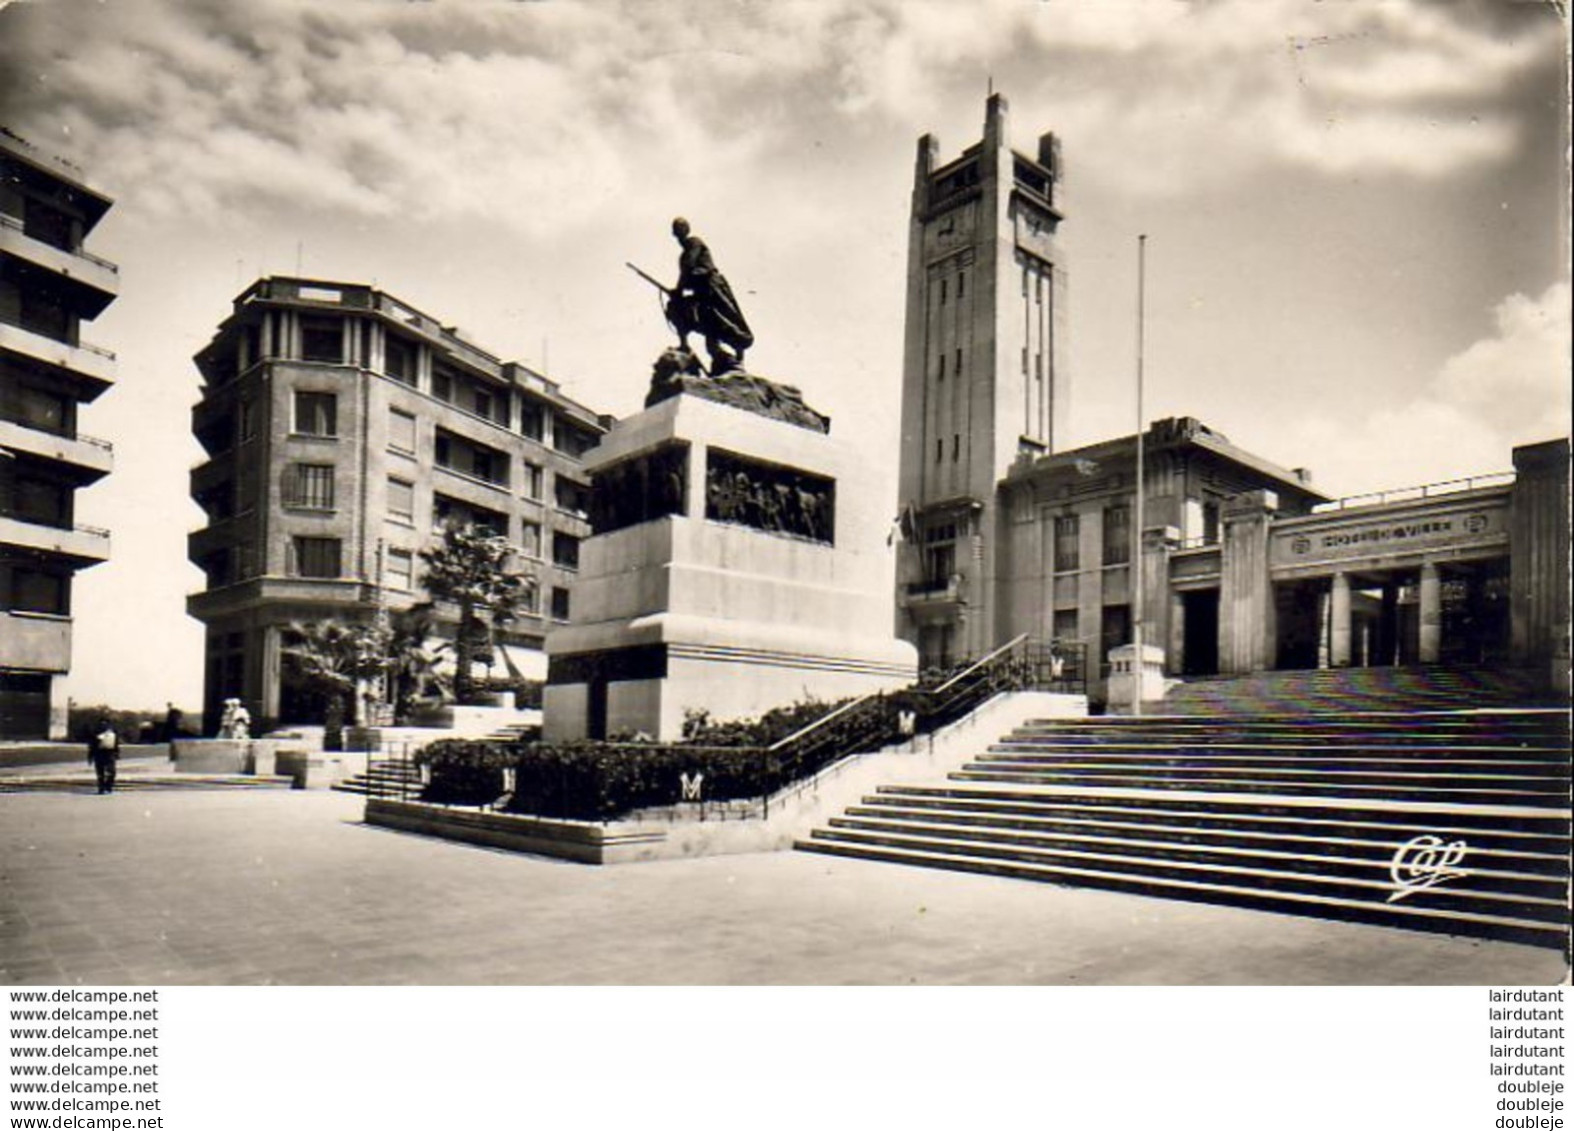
(470, 567)
(412, 664)
(336, 658)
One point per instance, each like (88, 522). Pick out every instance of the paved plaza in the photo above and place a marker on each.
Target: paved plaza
(281, 887)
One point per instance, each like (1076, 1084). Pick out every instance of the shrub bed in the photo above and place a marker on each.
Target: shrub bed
(597, 781)
(465, 771)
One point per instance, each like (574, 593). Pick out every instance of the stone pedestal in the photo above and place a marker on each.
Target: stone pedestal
(739, 564)
(1129, 679)
(224, 755)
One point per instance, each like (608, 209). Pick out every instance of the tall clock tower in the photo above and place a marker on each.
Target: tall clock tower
(984, 375)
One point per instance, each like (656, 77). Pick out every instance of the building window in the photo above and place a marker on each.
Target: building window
(530, 598)
(956, 446)
(399, 570)
(401, 431)
(481, 402)
(399, 356)
(572, 496)
(1210, 523)
(942, 292)
(35, 591)
(571, 441)
(1115, 628)
(535, 481)
(1117, 535)
(443, 384)
(322, 339)
(958, 369)
(530, 539)
(448, 511)
(316, 414)
(942, 367)
(939, 555)
(37, 408)
(1068, 532)
(1038, 289)
(961, 284)
(43, 501)
(1065, 626)
(939, 450)
(532, 420)
(315, 557)
(565, 550)
(246, 416)
(401, 501)
(309, 485)
(455, 453)
(245, 560)
(1024, 361)
(559, 603)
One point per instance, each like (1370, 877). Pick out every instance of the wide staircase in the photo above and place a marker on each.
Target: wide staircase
(1455, 821)
(1431, 688)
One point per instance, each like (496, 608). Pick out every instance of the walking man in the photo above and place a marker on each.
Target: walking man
(103, 752)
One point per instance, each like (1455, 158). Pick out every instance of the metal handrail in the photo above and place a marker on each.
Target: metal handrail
(823, 720)
(1423, 491)
(15, 224)
(971, 668)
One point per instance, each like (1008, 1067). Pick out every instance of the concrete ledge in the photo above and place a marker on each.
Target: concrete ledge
(730, 827)
(580, 841)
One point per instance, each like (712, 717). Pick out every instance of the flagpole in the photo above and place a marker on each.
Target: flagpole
(1138, 664)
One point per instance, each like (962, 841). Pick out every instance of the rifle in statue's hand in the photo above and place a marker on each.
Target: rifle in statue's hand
(662, 287)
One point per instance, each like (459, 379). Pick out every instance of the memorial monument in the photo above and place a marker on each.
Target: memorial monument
(737, 556)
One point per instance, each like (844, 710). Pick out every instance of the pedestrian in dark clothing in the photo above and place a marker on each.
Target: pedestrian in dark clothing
(172, 721)
(103, 752)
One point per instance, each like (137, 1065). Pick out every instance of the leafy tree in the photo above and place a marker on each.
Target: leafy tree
(412, 665)
(336, 659)
(470, 567)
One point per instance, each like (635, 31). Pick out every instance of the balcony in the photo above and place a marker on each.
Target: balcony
(85, 545)
(932, 594)
(96, 280)
(91, 457)
(35, 641)
(85, 360)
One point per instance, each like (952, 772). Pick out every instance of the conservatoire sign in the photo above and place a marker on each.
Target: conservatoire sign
(1340, 538)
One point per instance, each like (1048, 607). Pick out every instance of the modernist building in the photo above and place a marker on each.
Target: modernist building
(49, 285)
(984, 375)
(1245, 566)
(343, 430)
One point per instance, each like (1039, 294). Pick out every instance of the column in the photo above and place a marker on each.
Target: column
(1339, 622)
(272, 672)
(1246, 620)
(1430, 644)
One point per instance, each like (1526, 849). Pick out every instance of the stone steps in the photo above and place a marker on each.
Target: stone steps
(384, 778)
(1331, 816)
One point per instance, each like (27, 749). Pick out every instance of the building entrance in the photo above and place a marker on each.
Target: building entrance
(1200, 632)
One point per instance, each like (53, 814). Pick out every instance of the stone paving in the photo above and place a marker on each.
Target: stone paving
(243, 887)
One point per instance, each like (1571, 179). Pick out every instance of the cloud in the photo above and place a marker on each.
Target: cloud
(535, 116)
(1506, 389)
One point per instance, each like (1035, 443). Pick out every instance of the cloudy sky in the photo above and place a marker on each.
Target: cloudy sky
(1357, 238)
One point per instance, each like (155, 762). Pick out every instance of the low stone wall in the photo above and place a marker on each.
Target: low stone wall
(224, 755)
(726, 828)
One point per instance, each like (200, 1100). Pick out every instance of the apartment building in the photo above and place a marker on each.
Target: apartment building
(343, 429)
(49, 286)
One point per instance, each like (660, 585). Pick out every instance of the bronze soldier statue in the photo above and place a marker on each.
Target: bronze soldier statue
(702, 303)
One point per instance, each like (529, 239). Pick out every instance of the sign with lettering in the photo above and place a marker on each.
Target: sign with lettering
(1336, 537)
